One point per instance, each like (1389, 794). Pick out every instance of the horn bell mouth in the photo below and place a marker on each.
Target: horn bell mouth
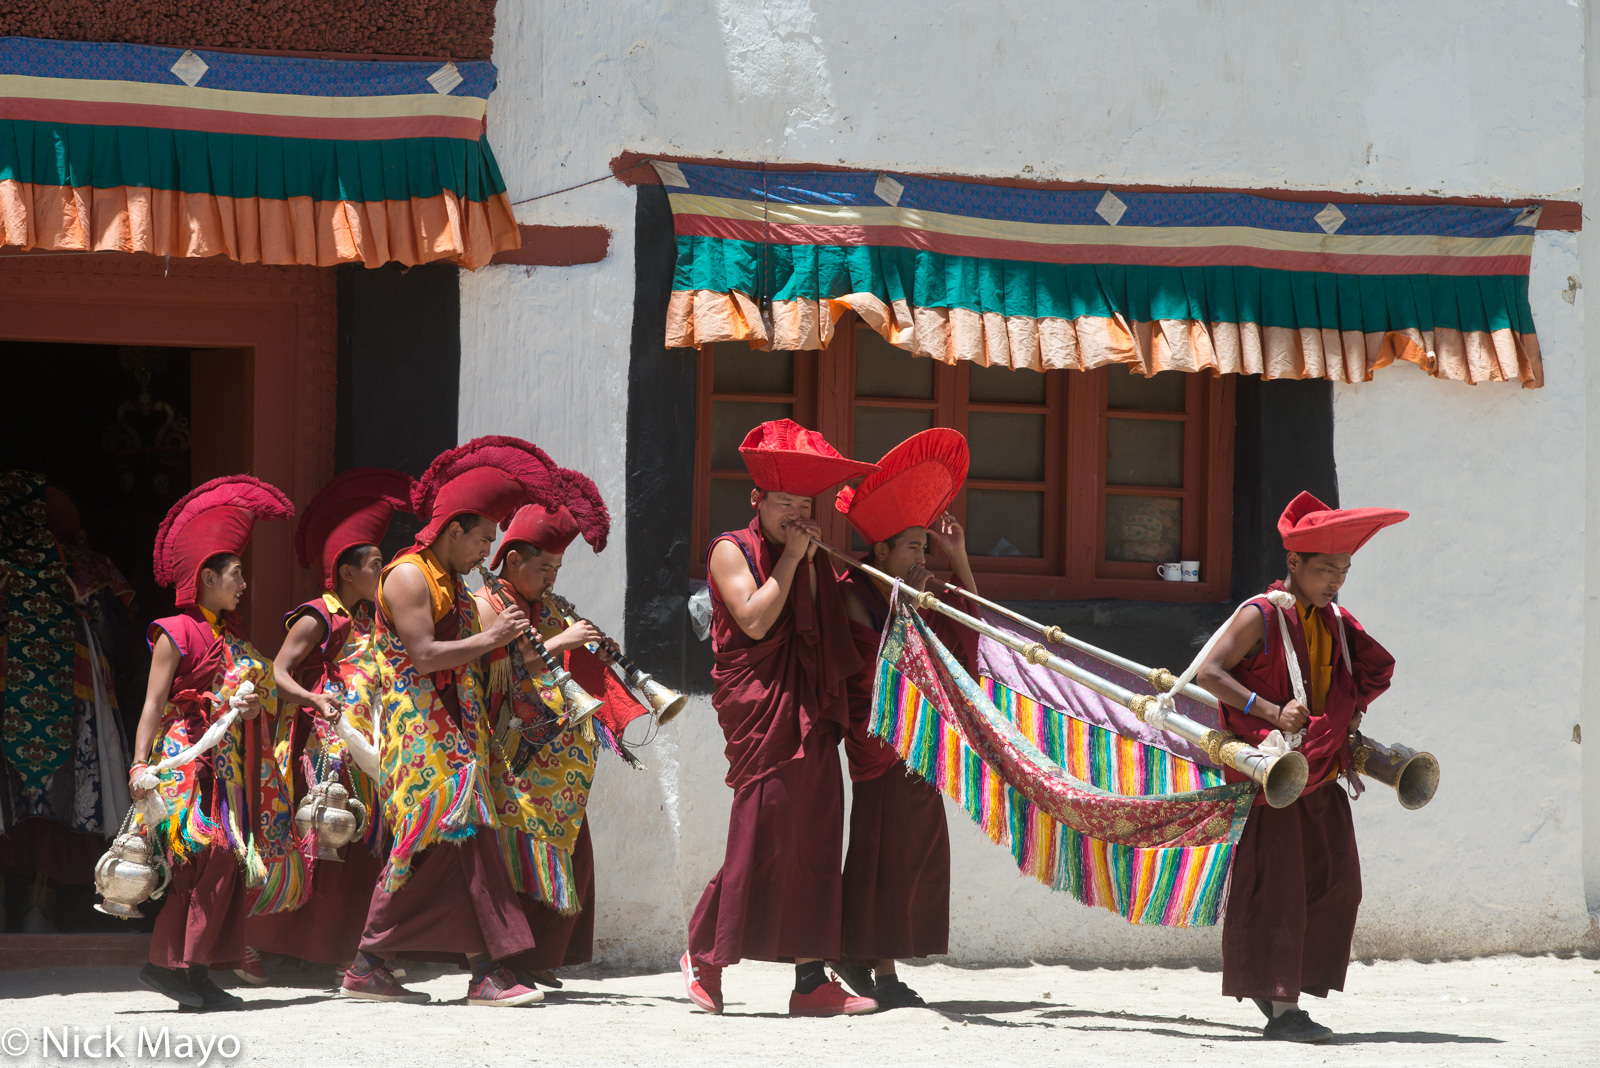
(1418, 781)
(1286, 780)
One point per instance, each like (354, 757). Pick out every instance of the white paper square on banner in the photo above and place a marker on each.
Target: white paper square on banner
(1111, 208)
(888, 190)
(189, 68)
(671, 174)
(445, 79)
(1330, 218)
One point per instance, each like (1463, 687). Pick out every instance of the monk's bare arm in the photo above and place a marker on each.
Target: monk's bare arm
(305, 635)
(163, 669)
(857, 611)
(405, 593)
(754, 608)
(1245, 637)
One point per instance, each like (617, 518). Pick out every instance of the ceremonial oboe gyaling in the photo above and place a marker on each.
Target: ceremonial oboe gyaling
(663, 701)
(1281, 778)
(577, 703)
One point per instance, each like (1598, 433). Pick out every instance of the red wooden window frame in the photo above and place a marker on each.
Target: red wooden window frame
(1072, 566)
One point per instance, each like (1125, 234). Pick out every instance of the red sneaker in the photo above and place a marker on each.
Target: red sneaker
(704, 982)
(500, 989)
(251, 970)
(379, 985)
(829, 999)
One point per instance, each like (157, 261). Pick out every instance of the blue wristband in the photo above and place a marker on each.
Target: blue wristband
(1249, 704)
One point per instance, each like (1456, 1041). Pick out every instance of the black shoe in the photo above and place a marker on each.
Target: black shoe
(858, 977)
(540, 978)
(170, 983)
(1296, 1026)
(1264, 1005)
(894, 994)
(212, 997)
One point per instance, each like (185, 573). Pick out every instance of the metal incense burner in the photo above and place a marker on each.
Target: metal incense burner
(330, 813)
(129, 874)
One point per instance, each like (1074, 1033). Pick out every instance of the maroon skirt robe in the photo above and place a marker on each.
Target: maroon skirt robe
(327, 928)
(1295, 886)
(782, 706)
(203, 912)
(897, 869)
(562, 941)
(459, 900)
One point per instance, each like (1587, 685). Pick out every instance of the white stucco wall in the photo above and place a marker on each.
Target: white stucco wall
(1480, 595)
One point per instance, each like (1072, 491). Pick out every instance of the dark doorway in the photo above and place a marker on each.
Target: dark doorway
(109, 426)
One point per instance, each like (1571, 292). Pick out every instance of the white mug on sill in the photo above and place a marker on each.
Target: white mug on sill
(1190, 570)
(1172, 572)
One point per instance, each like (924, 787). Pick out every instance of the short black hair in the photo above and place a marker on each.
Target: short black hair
(352, 556)
(218, 562)
(524, 548)
(469, 521)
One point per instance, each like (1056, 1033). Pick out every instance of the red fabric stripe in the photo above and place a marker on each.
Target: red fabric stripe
(999, 249)
(206, 120)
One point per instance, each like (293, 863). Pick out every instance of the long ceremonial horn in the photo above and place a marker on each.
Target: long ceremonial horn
(1413, 775)
(1281, 778)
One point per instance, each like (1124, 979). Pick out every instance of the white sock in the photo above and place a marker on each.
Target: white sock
(1281, 1007)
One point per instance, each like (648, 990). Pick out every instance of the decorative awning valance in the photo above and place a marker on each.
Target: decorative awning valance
(263, 159)
(1042, 279)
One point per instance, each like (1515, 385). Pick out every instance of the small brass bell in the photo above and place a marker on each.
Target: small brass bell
(128, 874)
(330, 813)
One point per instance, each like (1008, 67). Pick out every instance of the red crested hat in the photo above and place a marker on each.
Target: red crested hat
(489, 476)
(216, 517)
(913, 485)
(356, 508)
(581, 510)
(1309, 526)
(785, 457)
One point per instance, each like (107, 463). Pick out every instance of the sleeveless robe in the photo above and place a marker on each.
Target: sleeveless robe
(1295, 886)
(782, 704)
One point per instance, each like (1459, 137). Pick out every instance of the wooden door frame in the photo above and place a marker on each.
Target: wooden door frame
(285, 317)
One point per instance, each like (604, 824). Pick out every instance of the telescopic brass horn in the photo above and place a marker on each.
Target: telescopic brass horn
(663, 701)
(577, 703)
(1413, 775)
(1281, 778)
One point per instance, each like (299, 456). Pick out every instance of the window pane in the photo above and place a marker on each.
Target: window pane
(1128, 389)
(1006, 446)
(880, 429)
(740, 369)
(731, 421)
(1001, 384)
(1144, 529)
(730, 504)
(885, 371)
(1144, 452)
(1005, 523)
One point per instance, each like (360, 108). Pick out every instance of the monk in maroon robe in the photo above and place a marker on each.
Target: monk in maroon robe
(897, 870)
(784, 656)
(1296, 879)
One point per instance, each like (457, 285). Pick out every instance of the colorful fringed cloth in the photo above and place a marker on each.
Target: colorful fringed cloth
(1050, 790)
(263, 159)
(433, 764)
(1048, 279)
(252, 808)
(38, 648)
(356, 678)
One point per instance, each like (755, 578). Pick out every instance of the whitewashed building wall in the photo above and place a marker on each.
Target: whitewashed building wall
(1483, 597)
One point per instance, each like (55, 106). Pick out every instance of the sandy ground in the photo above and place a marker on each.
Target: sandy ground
(1500, 1011)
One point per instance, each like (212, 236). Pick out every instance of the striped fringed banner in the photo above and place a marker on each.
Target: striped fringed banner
(262, 159)
(1077, 279)
(1181, 887)
(541, 871)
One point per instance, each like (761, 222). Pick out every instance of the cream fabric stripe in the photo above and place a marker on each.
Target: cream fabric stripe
(87, 91)
(1176, 237)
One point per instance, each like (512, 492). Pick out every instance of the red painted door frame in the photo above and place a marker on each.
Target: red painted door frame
(264, 372)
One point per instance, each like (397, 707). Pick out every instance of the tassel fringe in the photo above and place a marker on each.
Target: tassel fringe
(1182, 887)
(541, 871)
